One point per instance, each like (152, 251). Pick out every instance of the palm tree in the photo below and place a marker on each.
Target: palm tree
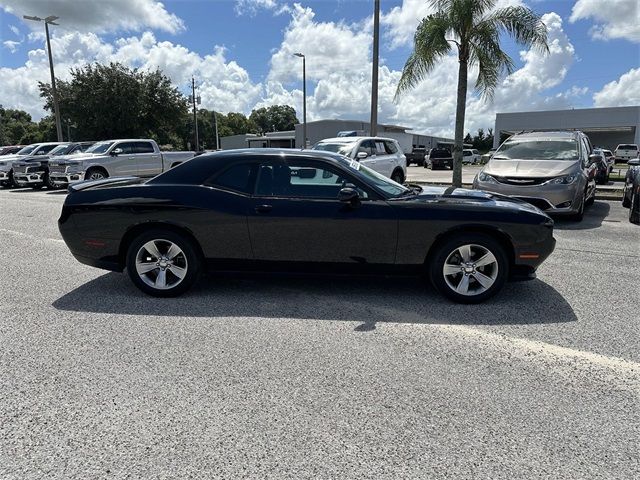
(474, 27)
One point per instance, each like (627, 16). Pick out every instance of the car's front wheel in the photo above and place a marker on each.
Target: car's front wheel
(469, 268)
(634, 208)
(397, 176)
(163, 263)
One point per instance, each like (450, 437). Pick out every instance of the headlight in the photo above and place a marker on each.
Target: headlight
(566, 180)
(483, 177)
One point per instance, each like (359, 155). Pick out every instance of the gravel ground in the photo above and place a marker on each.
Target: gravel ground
(279, 377)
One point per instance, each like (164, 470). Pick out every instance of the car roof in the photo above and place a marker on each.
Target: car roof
(353, 139)
(554, 134)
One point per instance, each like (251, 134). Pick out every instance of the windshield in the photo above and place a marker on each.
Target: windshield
(341, 148)
(61, 149)
(374, 178)
(538, 149)
(99, 147)
(27, 150)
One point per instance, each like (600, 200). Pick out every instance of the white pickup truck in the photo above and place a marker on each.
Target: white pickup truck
(115, 158)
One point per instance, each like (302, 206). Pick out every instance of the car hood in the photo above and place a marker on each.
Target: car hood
(75, 157)
(457, 196)
(530, 168)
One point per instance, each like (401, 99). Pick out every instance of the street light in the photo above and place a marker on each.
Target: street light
(50, 20)
(304, 102)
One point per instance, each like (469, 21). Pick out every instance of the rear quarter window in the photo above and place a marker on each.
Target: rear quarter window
(238, 178)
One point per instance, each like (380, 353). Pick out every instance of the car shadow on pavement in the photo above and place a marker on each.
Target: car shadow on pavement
(593, 218)
(367, 300)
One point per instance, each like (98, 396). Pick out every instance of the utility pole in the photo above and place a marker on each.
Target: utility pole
(195, 114)
(215, 122)
(374, 73)
(50, 20)
(304, 99)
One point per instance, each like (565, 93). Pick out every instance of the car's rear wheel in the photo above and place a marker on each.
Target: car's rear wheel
(163, 263)
(469, 268)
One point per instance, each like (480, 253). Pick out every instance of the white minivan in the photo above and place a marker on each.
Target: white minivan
(383, 155)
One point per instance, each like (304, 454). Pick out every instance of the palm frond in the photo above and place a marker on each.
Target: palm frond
(430, 45)
(524, 25)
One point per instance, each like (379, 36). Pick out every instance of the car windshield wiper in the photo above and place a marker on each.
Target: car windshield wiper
(413, 189)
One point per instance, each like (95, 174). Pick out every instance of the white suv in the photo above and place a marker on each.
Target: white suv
(383, 155)
(471, 156)
(626, 152)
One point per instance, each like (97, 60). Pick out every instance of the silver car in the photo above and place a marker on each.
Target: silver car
(555, 171)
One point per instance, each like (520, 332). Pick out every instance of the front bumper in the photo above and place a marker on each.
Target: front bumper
(63, 179)
(551, 199)
(31, 178)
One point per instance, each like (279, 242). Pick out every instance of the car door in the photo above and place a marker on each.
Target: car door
(297, 217)
(589, 169)
(149, 161)
(384, 160)
(123, 161)
(371, 160)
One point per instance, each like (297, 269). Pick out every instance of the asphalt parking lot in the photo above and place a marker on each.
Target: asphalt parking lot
(263, 377)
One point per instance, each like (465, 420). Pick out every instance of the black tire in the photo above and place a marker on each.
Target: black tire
(634, 208)
(95, 173)
(10, 182)
(626, 201)
(397, 176)
(579, 215)
(479, 242)
(48, 183)
(189, 260)
(590, 200)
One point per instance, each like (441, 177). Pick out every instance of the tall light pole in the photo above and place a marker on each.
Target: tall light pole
(50, 20)
(374, 73)
(304, 96)
(195, 100)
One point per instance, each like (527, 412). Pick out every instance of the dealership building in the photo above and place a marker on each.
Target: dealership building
(321, 129)
(606, 127)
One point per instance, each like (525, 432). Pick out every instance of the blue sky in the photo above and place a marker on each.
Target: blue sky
(240, 51)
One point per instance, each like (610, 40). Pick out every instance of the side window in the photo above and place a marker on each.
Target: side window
(126, 147)
(390, 147)
(303, 180)
(585, 148)
(45, 149)
(380, 148)
(144, 147)
(237, 178)
(368, 147)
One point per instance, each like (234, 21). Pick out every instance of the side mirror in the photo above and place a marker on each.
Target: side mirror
(594, 158)
(116, 151)
(362, 155)
(349, 195)
(634, 162)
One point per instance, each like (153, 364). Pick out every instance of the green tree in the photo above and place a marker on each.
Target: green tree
(16, 127)
(474, 27)
(114, 101)
(275, 118)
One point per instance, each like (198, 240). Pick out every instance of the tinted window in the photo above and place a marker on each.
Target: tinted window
(304, 180)
(101, 147)
(237, 178)
(627, 147)
(391, 147)
(45, 149)
(368, 147)
(126, 147)
(144, 147)
(439, 153)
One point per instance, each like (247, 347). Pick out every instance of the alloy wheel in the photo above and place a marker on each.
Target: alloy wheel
(470, 269)
(161, 264)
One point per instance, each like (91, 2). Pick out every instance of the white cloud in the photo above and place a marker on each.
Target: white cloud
(614, 18)
(99, 15)
(251, 7)
(402, 21)
(622, 92)
(223, 85)
(11, 45)
(15, 30)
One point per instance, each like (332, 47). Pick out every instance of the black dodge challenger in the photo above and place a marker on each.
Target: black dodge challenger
(300, 211)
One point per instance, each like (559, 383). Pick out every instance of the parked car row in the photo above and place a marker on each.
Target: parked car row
(631, 194)
(56, 165)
